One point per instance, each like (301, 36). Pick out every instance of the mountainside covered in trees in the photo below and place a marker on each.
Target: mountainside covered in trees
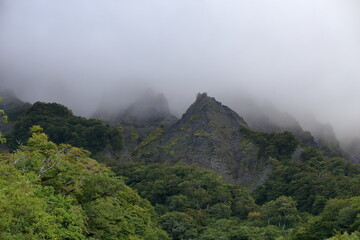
(61, 126)
(208, 175)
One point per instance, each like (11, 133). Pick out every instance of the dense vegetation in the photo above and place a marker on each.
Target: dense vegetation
(311, 182)
(294, 201)
(62, 126)
(276, 145)
(51, 191)
(198, 204)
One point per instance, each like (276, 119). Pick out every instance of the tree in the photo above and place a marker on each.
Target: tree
(281, 212)
(339, 215)
(29, 211)
(346, 236)
(179, 225)
(50, 191)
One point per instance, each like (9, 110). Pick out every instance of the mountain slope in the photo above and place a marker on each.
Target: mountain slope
(64, 127)
(208, 135)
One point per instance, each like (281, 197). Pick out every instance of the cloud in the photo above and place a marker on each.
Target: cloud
(302, 55)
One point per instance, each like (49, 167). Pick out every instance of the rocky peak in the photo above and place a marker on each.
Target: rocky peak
(208, 135)
(207, 109)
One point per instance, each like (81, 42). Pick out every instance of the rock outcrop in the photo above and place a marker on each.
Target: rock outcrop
(208, 135)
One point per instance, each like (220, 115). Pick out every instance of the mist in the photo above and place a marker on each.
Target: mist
(303, 56)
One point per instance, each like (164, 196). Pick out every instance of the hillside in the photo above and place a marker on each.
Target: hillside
(208, 135)
(51, 191)
(208, 175)
(63, 127)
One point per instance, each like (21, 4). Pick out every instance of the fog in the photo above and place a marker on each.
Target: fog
(302, 55)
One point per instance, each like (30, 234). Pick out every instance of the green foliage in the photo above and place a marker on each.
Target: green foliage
(277, 145)
(339, 215)
(346, 236)
(56, 191)
(179, 225)
(50, 191)
(281, 212)
(202, 134)
(153, 135)
(62, 126)
(186, 197)
(229, 229)
(29, 211)
(134, 134)
(310, 182)
(194, 116)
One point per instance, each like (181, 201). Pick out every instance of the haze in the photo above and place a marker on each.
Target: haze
(304, 56)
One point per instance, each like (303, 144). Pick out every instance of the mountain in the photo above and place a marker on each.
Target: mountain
(209, 135)
(267, 118)
(146, 114)
(147, 108)
(294, 182)
(137, 120)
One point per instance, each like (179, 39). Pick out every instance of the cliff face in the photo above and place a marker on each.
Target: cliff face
(208, 135)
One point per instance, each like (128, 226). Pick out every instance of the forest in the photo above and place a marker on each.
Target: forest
(61, 182)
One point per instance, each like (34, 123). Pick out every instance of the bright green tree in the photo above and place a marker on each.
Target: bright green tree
(50, 191)
(346, 236)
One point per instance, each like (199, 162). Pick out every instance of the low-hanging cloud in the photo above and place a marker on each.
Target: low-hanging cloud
(302, 55)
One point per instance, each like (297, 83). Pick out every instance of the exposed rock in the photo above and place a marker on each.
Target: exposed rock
(138, 120)
(208, 135)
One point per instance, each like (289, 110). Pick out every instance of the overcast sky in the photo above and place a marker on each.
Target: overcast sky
(300, 54)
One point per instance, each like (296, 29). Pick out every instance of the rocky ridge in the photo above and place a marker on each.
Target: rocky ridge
(208, 135)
